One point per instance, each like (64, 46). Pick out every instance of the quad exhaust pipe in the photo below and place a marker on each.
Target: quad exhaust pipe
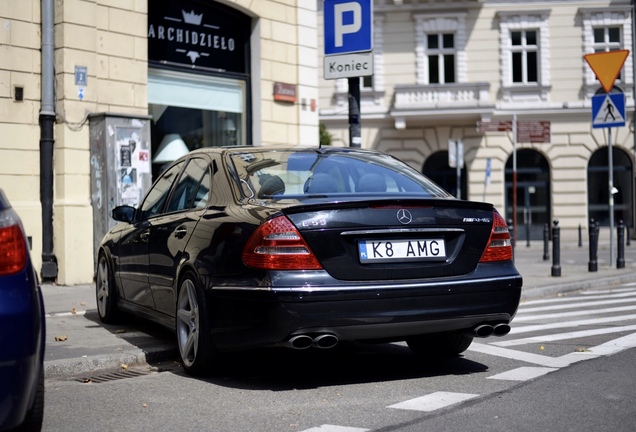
(304, 341)
(485, 330)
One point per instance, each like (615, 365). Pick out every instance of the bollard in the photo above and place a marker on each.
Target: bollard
(620, 234)
(580, 236)
(546, 241)
(556, 253)
(527, 234)
(592, 265)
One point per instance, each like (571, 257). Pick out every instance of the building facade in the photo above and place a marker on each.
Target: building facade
(139, 75)
(455, 73)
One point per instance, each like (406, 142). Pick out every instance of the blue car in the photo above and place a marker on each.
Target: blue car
(22, 329)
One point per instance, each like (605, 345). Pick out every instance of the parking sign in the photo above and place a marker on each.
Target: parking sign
(348, 26)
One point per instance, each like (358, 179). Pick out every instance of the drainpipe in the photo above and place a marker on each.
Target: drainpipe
(47, 123)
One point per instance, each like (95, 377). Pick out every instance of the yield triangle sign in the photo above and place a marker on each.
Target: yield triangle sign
(607, 66)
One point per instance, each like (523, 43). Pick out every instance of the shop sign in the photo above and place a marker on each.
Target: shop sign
(527, 131)
(198, 35)
(284, 92)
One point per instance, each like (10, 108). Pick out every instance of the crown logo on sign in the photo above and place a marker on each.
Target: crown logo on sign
(191, 17)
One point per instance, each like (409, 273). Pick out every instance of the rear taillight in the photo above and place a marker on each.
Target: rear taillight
(277, 245)
(499, 244)
(13, 249)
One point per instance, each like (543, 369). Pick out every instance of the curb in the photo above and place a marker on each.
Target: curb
(550, 290)
(88, 364)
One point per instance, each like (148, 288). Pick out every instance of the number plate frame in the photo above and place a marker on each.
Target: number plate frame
(401, 250)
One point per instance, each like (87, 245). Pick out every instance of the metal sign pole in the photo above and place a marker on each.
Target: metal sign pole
(514, 178)
(487, 179)
(610, 164)
(355, 136)
(458, 170)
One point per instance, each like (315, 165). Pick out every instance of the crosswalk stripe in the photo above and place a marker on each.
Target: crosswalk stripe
(541, 360)
(334, 428)
(575, 305)
(615, 345)
(584, 296)
(434, 401)
(611, 290)
(523, 373)
(565, 336)
(560, 315)
(568, 324)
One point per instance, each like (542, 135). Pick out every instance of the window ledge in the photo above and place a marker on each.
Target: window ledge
(368, 98)
(525, 93)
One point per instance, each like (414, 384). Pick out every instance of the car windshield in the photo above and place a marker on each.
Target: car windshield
(279, 174)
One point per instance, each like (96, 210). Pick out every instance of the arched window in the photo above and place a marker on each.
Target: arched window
(598, 186)
(533, 194)
(437, 169)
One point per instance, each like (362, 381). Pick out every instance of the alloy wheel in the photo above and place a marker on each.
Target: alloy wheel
(103, 287)
(188, 322)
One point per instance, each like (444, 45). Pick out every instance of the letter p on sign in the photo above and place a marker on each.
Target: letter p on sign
(340, 28)
(347, 26)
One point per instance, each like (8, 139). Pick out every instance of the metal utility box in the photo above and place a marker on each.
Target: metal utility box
(120, 166)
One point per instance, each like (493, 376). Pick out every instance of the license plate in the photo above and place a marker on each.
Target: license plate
(401, 250)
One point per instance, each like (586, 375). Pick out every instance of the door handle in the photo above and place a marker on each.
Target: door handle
(144, 236)
(180, 232)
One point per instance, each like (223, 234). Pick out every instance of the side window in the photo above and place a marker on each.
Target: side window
(157, 196)
(203, 193)
(186, 189)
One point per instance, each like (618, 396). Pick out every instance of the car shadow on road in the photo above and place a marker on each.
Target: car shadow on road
(280, 369)
(157, 342)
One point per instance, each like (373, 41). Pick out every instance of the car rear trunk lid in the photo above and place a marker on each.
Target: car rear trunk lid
(396, 239)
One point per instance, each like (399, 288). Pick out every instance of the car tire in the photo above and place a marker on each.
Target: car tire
(35, 414)
(193, 327)
(106, 292)
(440, 344)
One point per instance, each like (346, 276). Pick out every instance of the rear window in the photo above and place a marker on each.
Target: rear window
(278, 174)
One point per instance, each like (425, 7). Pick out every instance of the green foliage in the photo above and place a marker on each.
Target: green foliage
(325, 137)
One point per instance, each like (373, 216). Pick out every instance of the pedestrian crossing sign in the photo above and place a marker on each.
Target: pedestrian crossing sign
(608, 110)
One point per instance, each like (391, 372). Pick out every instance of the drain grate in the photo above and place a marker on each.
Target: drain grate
(112, 376)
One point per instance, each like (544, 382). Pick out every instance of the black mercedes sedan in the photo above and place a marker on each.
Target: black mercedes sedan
(247, 247)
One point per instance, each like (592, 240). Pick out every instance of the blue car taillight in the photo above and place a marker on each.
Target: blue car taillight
(13, 248)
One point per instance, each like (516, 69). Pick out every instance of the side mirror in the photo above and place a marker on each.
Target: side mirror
(123, 213)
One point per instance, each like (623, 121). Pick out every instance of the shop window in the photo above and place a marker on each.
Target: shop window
(193, 111)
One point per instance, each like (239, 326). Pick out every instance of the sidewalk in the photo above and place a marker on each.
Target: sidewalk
(84, 345)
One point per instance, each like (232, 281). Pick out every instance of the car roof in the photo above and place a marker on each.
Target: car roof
(253, 149)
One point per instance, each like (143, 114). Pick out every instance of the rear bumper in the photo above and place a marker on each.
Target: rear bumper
(22, 334)
(19, 381)
(248, 318)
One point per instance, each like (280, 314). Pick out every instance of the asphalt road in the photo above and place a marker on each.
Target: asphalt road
(568, 365)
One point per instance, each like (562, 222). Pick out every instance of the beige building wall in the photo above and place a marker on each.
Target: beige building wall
(566, 102)
(19, 146)
(109, 38)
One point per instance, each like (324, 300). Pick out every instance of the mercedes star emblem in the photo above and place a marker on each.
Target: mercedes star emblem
(404, 216)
